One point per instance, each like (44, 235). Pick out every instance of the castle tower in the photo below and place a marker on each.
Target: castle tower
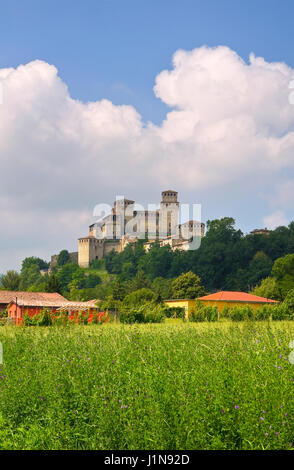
(90, 248)
(169, 213)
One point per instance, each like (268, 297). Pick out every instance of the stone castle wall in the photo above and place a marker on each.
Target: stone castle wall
(73, 258)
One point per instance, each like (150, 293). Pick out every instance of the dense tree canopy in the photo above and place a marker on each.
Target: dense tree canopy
(226, 259)
(10, 280)
(187, 286)
(63, 258)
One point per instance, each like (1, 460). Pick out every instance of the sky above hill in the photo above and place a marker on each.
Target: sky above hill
(106, 98)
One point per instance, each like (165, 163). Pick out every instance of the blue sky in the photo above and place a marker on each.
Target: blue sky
(114, 48)
(215, 128)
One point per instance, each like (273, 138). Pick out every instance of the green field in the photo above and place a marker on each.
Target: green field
(167, 386)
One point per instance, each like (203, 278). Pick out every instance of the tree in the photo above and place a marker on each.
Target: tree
(10, 280)
(244, 279)
(128, 271)
(63, 258)
(268, 289)
(289, 301)
(223, 230)
(139, 297)
(140, 281)
(283, 271)
(187, 286)
(225, 260)
(259, 268)
(32, 260)
(67, 273)
(118, 290)
(92, 280)
(52, 284)
(162, 288)
(157, 261)
(30, 276)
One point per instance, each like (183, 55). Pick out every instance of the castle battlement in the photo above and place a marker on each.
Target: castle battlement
(126, 225)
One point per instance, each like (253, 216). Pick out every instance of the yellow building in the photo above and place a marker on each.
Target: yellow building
(187, 304)
(222, 299)
(231, 299)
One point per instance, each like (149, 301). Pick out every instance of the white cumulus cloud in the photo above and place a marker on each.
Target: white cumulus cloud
(229, 135)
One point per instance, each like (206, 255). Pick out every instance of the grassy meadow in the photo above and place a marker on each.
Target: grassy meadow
(162, 386)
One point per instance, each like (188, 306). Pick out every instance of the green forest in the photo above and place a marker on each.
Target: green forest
(226, 260)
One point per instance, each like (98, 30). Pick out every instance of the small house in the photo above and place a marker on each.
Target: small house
(220, 300)
(32, 303)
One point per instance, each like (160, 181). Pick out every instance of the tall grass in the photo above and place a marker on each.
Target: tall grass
(166, 386)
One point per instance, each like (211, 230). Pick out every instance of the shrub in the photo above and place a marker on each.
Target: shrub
(173, 312)
(84, 318)
(203, 313)
(99, 318)
(29, 321)
(44, 318)
(139, 297)
(142, 314)
(155, 316)
(289, 301)
(264, 313)
(281, 312)
(61, 319)
(211, 313)
(196, 315)
(97, 264)
(4, 313)
(132, 316)
(241, 313)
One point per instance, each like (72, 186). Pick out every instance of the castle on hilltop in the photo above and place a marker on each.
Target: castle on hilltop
(126, 225)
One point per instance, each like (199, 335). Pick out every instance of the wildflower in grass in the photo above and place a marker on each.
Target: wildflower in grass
(284, 423)
(277, 433)
(222, 411)
(236, 407)
(266, 434)
(286, 414)
(261, 418)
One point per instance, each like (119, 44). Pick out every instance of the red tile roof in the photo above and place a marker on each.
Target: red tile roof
(7, 296)
(58, 304)
(236, 297)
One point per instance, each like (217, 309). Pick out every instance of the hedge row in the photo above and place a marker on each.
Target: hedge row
(241, 313)
(47, 318)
